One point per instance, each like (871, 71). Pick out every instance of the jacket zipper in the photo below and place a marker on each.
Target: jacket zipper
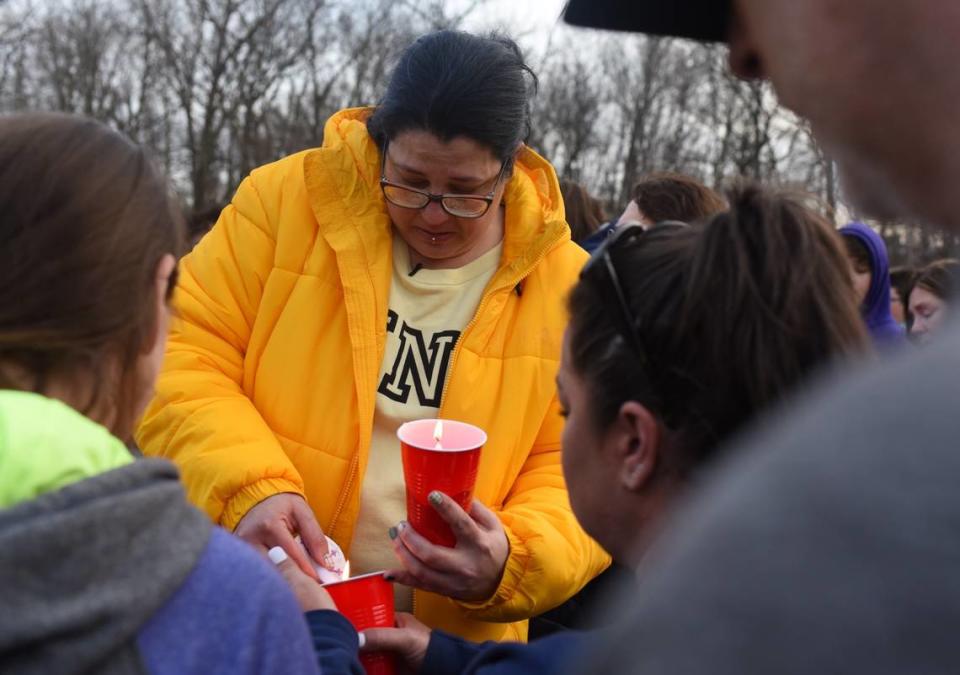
(456, 352)
(351, 474)
(483, 303)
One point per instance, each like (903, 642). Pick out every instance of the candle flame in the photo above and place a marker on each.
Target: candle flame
(438, 433)
(346, 571)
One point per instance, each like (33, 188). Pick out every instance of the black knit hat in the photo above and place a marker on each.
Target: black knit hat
(705, 20)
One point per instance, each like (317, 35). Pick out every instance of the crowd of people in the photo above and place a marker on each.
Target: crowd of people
(714, 392)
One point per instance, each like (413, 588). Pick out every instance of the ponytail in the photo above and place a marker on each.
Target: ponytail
(731, 315)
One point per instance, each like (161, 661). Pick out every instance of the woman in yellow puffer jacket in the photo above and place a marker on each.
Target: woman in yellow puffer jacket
(415, 265)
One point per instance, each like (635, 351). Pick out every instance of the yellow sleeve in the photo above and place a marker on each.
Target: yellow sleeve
(551, 557)
(200, 417)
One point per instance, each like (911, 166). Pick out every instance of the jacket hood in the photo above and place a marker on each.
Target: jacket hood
(45, 445)
(875, 308)
(535, 216)
(83, 568)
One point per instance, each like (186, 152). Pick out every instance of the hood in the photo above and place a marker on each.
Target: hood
(45, 445)
(83, 568)
(875, 308)
(535, 216)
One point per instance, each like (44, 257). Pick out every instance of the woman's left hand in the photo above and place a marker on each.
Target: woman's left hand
(470, 571)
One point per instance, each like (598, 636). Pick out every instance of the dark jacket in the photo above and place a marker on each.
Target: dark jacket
(336, 645)
(592, 243)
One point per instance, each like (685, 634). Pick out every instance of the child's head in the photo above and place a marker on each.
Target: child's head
(717, 323)
(89, 237)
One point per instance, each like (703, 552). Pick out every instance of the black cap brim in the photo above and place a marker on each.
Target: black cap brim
(705, 20)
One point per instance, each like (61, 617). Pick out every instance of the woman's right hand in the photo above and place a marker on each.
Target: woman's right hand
(275, 521)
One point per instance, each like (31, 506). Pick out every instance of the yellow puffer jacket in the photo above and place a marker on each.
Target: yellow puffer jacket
(271, 368)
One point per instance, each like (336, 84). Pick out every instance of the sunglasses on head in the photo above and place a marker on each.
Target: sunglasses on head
(603, 260)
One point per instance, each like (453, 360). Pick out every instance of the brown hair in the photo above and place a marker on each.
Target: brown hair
(584, 212)
(731, 315)
(941, 277)
(673, 196)
(857, 252)
(901, 278)
(85, 221)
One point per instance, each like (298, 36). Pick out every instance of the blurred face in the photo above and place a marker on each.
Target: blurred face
(889, 121)
(929, 312)
(860, 275)
(420, 160)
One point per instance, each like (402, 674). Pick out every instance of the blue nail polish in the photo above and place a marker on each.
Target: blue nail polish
(393, 532)
(435, 498)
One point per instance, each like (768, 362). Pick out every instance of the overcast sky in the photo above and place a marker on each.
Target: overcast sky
(527, 19)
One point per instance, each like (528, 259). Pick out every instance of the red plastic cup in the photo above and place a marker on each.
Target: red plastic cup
(451, 469)
(367, 602)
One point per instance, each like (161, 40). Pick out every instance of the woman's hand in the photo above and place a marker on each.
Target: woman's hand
(470, 571)
(408, 640)
(309, 593)
(275, 521)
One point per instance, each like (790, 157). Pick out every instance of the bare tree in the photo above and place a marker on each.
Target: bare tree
(221, 57)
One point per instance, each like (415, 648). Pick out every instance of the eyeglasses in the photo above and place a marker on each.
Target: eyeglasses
(601, 258)
(457, 205)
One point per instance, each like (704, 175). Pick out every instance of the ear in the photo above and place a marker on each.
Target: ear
(162, 278)
(637, 445)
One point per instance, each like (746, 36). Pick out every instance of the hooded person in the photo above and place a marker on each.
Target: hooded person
(870, 270)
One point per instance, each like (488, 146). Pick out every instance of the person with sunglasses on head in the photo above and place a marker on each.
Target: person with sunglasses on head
(413, 266)
(679, 337)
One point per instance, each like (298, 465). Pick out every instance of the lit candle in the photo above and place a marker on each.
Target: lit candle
(346, 570)
(438, 434)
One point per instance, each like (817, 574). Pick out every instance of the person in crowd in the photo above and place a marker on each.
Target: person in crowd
(901, 278)
(826, 542)
(662, 196)
(104, 566)
(933, 291)
(678, 337)
(584, 212)
(870, 271)
(414, 266)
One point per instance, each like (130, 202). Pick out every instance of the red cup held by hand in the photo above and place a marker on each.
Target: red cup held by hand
(367, 602)
(438, 455)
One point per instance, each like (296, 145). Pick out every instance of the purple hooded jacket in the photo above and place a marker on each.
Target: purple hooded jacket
(875, 309)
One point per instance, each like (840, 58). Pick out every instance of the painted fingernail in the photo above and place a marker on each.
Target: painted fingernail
(389, 577)
(277, 555)
(361, 640)
(435, 498)
(393, 532)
